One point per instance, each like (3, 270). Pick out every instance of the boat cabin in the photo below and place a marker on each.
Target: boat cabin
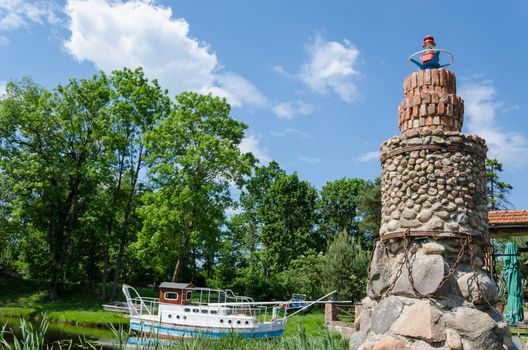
(176, 293)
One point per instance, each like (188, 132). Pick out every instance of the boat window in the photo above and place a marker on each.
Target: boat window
(196, 310)
(238, 322)
(229, 321)
(247, 322)
(184, 317)
(178, 317)
(213, 312)
(187, 309)
(170, 316)
(221, 321)
(205, 311)
(188, 295)
(171, 295)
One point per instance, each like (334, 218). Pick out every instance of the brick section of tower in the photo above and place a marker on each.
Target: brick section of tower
(430, 101)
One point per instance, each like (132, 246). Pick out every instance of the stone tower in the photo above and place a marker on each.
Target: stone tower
(429, 284)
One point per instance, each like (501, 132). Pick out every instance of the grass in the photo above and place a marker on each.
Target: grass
(312, 323)
(79, 306)
(82, 307)
(34, 337)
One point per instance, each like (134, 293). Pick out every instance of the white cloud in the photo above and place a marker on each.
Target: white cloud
(511, 108)
(117, 34)
(291, 132)
(368, 156)
(251, 143)
(236, 90)
(288, 110)
(481, 108)
(279, 69)
(330, 66)
(15, 14)
(309, 160)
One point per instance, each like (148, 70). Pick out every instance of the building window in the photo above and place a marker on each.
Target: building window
(171, 295)
(188, 295)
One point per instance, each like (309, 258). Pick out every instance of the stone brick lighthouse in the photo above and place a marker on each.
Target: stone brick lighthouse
(429, 282)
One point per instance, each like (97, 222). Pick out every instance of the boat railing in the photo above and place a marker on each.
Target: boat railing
(139, 306)
(206, 296)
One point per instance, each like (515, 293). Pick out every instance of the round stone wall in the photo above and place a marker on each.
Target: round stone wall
(434, 181)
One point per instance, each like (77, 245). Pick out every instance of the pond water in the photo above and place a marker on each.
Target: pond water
(63, 332)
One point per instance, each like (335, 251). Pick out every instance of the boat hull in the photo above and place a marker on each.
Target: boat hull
(171, 331)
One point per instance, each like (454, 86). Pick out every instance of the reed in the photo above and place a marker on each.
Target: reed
(34, 338)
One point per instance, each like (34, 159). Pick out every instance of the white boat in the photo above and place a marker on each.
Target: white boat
(183, 311)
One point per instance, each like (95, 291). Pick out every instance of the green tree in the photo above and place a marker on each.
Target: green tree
(137, 105)
(370, 209)
(344, 268)
(194, 156)
(304, 275)
(288, 216)
(51, 146)
(248, 223)
(338, 206)
(498, 190)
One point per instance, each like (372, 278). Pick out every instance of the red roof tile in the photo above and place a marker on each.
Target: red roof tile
(508, 217)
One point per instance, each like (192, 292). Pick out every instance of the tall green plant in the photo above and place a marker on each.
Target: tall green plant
(344, 268)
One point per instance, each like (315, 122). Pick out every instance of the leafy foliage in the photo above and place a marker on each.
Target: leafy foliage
(344, 268)
(498, 190)
(109, 177)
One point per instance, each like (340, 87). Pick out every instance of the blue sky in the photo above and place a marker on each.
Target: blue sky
(318, 82)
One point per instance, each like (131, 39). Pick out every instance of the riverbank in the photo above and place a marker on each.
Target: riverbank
(83, 307)
(76, 306)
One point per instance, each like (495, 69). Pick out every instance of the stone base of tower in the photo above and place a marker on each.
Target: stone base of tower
(429, 311)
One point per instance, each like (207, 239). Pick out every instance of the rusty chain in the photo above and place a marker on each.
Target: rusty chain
(408, 263)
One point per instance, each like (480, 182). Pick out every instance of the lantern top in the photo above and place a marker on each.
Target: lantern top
(429, 56)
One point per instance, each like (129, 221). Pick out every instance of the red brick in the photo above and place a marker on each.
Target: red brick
(427, 97)
(427, 77)
(443, 77)
(420, 78)
(431, 109)
(449, 110)
(429, 121)
(435, 77)
(423, 110)
(415, 111)
(435, 97)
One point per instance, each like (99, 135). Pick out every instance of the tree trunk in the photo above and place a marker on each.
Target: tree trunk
(105, 271)
(111, 226)
(181, 257)
(117, 268)
(128, 210)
